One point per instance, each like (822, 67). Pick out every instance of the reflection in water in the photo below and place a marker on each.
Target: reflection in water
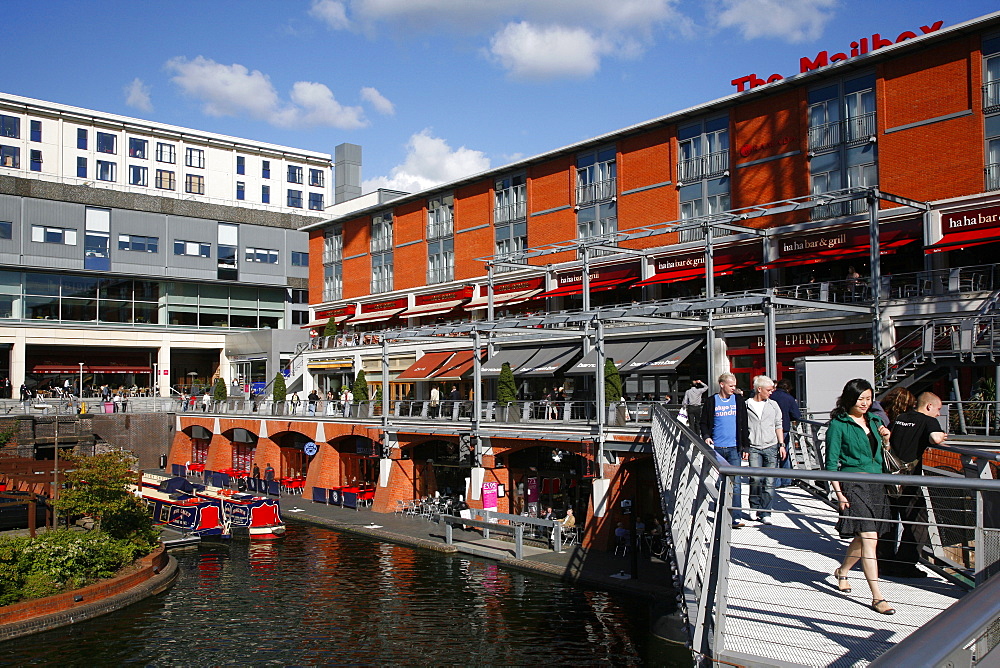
(319, 597)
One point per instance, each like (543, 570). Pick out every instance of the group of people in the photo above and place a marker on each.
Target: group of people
(756, 429)
(313, 399)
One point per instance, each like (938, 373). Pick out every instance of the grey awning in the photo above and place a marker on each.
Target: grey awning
(549, 360)
(621, 352)
(662, 356)
(241, 435)
(515, 356)
(200, 433)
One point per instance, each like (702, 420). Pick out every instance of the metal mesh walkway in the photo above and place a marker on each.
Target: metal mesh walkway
(782, 604)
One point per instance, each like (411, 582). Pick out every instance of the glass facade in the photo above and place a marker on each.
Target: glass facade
(77, 298)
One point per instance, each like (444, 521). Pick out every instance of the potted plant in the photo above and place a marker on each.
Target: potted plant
(360, 391)
(617, 411)
(507, 395)
(219, 393)
(331, 328)
(278, 393)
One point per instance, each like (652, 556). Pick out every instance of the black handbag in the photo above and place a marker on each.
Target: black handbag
(895, 466)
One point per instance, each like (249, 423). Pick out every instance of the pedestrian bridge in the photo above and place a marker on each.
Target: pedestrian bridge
(765, 595)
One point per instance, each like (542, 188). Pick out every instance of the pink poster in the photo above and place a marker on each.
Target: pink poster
(489, 495)
(532, 491)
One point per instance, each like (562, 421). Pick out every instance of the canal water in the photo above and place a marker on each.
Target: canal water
(322, 597)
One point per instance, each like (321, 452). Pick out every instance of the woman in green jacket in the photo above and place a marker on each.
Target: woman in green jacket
(853, 444)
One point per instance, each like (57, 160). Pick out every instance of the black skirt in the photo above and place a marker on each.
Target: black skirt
(868, 503)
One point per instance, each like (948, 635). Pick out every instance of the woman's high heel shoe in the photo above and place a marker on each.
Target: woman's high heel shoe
(842, 583)
(882, 607)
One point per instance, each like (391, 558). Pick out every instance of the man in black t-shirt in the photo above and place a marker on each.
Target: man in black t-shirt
(912, 432)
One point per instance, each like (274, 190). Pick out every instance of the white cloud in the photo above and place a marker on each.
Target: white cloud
(531, 52)
(790, 20)
(137, 95)
(377, 100)
(529, 38)
(234, 90)
(331, 12)
(429, 161)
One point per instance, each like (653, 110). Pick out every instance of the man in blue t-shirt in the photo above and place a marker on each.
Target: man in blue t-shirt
(725, 427)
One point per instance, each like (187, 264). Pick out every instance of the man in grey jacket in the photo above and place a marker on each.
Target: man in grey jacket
(767, 443)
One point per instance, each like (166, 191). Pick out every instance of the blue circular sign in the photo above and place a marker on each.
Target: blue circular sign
(310, 448)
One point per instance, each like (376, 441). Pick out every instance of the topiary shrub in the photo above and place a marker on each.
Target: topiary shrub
(331, 328)
(360, 387)
(612, 383)
(219, 392)
(279, 391)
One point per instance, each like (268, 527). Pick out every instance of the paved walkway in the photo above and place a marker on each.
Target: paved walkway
(576, 564)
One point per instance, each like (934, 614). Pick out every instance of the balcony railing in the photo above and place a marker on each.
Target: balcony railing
(510, 212)
(993, 176)
(598, 191)
(854, 129)
(441, 225)
(332, 255)
(991, 95)
(849, 208)
(703, 166)
(440, 274)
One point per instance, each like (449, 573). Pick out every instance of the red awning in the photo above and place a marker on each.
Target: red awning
(425, 367)
(502, 299)
(376, 316)
(965, 239)
(63, 369)
(595, 286)
(456, 367)
(887, 248)
(723, 269)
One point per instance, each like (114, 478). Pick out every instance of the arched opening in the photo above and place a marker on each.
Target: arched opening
(358, 460)
(200, 439)
(293, 462)
(544, 476)
(244, 449)
(440, 466)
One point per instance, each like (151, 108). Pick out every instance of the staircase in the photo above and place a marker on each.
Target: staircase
(951, 339)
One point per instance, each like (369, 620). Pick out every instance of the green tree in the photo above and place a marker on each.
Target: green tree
(360, 387)
(612, 383)
(100, 486)
(220, 392)
(506, 386)
(331, 328)
(280, 391)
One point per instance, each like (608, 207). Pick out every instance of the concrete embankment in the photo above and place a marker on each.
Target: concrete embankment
(151, 575)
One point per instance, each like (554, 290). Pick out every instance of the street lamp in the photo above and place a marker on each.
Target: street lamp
(81, 381)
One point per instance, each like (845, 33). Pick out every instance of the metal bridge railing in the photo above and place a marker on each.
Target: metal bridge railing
(737, 585)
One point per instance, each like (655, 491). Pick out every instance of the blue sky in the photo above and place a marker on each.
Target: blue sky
(431, 89)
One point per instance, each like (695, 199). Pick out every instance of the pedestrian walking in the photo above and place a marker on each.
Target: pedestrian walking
(725, 427)
(767, 443)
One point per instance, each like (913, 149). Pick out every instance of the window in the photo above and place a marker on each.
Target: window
(241, 164)
(440, 260)
(97, 240)
(262, 255)
(133, 242)
(510, 199)
(192, 248)
(701, 198)
(194, 157)
(36, 161)
(381, 250)
(165, 153)
(333, 283)
(993, 152)
(300, 317)
(81, 139)
(265, 169)
(165, 180)
(194, 183)
(137, 148)
(10, 126)
(229, 242)
(299, 296)
(6, 229)
(53, 235)
(294, 174)
(106, 170)
(265, 194)
(295, 198)
(991, 74)
(316, 177)
(511, 240)
(106, 143)
(596, 176)
(10, 156)
(315, 201)
(703, 149)
(241, 190)
(841, 124)
(36, 131)
(138, 176)
(440, 212)
(597, 221)
(300, 259)
(333, 245)
(81, 167)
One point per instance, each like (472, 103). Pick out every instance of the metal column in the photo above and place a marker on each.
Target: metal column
(876, 273)
(709, 293)
(385, 383)
(599, 397)
(770, 339)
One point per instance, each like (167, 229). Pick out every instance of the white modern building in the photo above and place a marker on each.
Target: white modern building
(134, 248)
